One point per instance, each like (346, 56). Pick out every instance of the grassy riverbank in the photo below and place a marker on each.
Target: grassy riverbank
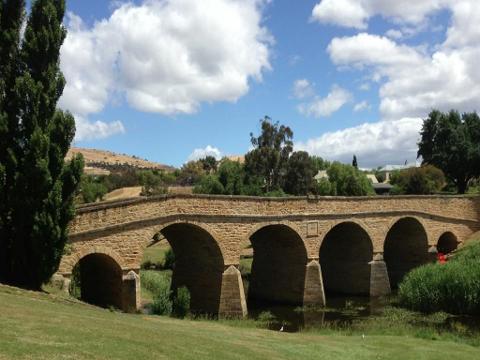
(41, 326)
(453, 287)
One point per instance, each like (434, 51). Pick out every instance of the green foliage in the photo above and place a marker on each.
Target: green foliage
(209, 185)
(209, 164)
(75, 287)
(37, 188)
(231, 175)
(159, 285)
(92, 189)
(191, 173)
(268, 160)
(169, 261)
(266, 318)
(275, 193)
(380, 176)
(300, 172)
(181, 303)
(325, 188)
(346, 180)
(319, 163)
(453, 287)
(152, 183)
(119, 178)
(423, 180)
(451, 142)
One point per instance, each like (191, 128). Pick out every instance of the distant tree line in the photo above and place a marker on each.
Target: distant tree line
(272, 168)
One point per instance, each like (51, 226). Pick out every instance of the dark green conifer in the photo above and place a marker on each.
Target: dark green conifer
(37, 186)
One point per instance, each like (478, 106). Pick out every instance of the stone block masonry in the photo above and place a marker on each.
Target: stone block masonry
(303, 248)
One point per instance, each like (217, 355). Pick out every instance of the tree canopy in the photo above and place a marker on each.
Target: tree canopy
(451, 142)
(37, 188)
(268, 160)
(420, 181)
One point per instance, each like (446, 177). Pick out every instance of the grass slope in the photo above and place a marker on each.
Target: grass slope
(41, 326)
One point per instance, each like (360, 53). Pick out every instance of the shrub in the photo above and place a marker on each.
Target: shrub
(209, 185)
(266, 318)
(423, 180)
(344, 180)
(275, 193)
(181, 303)
(453, 287)
(75, 287)
(159, 285)
(169, 261)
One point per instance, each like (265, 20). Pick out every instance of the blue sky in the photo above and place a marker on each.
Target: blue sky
(173, 80)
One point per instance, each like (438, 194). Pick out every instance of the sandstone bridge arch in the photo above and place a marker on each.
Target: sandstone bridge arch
(302, 247)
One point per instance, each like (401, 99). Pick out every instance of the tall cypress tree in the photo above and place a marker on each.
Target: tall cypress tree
(37, 184)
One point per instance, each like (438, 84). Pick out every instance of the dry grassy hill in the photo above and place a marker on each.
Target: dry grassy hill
(103, 159)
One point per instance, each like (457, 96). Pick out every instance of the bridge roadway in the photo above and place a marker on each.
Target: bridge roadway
(304, 248)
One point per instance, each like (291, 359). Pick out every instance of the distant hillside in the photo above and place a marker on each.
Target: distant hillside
(103, 159)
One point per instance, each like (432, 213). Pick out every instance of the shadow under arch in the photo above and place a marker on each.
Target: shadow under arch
(199, 265)
(345, 254)
(447, 243)
(97, 280)
(278, 267)
(405, 247)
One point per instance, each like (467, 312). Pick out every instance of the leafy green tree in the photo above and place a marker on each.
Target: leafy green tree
(209, 164)
(191, 173)
(268, 160)
(300, 172)
(209, 185)
(451, 142)
(319, 163)
(325, 188)
(152, 183)
(37, 187)
(92, 189)
(348, 181)
(231, 175)
(421, 181)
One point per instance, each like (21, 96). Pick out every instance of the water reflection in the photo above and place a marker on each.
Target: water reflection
(340, 311)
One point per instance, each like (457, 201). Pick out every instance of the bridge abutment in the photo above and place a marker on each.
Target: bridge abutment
(379, 281)
(314, 293)
(232, 296)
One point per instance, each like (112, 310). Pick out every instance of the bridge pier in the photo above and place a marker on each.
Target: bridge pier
(232, 296)
(314, 293)
(131, 300)
(432, 253)
(379, 280)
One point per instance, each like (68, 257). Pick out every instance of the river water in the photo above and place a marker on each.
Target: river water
(340, 310)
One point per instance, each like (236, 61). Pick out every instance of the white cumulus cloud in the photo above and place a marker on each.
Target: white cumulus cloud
(326, 106)
(355, 13)
(361, 106)
(200, 153)
(302, 88)
(165, 56)
(95, 130)
(412, 80)
(373, 143)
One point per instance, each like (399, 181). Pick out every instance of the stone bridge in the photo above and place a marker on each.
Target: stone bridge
(304, 249)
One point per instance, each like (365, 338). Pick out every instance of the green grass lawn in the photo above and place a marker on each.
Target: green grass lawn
(42, 326)
(156, 253)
